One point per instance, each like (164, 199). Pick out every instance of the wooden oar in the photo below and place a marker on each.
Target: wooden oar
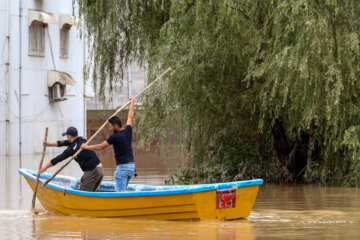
(38, 174)
(97, 132)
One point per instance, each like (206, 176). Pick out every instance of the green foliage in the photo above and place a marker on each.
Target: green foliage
(120, 31)
(238, 66)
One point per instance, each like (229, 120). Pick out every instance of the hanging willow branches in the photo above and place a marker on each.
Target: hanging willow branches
(261, 88)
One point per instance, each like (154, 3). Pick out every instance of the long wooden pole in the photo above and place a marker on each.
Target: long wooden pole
(98, 131)
(38, 174)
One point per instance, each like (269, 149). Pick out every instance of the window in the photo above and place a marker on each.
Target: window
(66, 22)
(64, 42)
(37, 39)
(38, 22)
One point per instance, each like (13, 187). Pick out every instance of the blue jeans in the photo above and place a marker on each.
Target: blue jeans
(123, 174)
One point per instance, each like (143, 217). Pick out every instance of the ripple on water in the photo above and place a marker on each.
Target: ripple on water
(15, 214)
(307, 217)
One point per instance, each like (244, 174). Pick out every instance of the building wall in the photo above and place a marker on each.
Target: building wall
(30, 110)
(131, 85)
(157, 161)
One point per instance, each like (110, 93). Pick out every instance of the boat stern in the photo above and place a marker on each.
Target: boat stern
(226, 204)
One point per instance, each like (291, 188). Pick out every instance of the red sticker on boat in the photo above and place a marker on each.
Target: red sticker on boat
(226, 199)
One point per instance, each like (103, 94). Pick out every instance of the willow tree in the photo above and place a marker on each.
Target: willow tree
(259, 88)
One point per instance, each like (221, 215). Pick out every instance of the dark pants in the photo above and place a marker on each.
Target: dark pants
(90, 180)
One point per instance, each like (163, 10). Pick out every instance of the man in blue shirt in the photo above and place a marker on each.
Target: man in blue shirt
(121, 141)
(87, 159)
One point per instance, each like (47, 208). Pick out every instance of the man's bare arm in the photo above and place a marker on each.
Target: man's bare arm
(131, 112)
(100, 146)
(44, 168)
(50, 144)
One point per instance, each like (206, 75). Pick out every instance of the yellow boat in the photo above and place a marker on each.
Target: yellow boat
(219, 201)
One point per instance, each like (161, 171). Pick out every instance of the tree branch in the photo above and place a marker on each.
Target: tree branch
(239, 10)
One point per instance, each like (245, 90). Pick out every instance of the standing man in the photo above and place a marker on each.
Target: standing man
(121, 141)
(87, 159)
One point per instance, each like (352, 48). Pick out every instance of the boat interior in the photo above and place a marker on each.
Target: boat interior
(73, 183)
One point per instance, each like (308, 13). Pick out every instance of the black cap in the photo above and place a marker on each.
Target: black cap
(72, 131)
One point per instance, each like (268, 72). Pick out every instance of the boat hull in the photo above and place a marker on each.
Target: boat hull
(202, 205)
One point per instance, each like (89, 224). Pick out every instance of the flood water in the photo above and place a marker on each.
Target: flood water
(280, 212)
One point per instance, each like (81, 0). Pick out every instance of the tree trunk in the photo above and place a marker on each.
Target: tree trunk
(291, 161)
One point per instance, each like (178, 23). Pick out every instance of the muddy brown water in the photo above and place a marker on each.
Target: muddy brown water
(280, 212)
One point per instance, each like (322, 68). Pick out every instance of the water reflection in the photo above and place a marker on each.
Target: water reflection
(308, 211)
(45, 226)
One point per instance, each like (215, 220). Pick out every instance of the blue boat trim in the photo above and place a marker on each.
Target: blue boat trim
(137, 189)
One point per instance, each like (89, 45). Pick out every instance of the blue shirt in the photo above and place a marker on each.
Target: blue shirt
(121, 142)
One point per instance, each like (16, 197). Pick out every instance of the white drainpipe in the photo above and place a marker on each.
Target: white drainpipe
(20, 90)
(7, 64)
(84, 82)
(130, 80)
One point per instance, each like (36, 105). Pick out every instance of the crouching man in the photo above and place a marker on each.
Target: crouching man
(87, 159)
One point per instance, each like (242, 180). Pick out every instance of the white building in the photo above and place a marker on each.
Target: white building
(134, 81)
(41, 64)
